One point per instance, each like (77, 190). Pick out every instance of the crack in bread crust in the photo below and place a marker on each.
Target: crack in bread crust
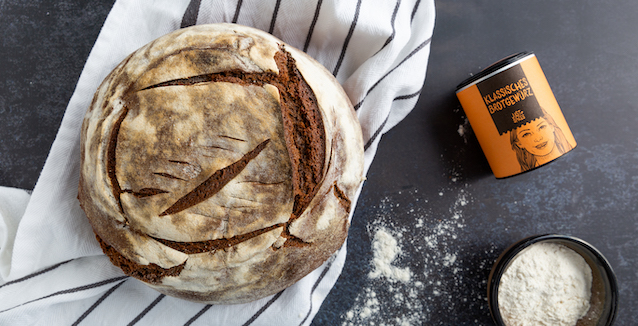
(150, 273)
(214, 183)
(213, 245)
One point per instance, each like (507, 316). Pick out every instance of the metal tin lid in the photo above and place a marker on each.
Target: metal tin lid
(493, 68)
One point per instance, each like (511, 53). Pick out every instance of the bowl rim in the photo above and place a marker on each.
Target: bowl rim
(513, 250)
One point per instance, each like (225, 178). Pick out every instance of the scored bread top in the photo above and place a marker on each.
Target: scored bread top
(218, 164)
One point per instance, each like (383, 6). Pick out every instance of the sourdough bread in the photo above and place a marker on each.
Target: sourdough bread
(219, 164)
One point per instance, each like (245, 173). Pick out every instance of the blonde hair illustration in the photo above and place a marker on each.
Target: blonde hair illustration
(529, 160)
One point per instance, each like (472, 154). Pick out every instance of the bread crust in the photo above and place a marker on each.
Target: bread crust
(218, 164)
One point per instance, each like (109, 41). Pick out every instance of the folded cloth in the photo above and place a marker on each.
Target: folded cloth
(53, 272)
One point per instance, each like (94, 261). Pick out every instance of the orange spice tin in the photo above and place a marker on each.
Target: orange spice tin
(515, 116)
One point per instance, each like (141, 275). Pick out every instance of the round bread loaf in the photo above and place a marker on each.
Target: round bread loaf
(218, 164)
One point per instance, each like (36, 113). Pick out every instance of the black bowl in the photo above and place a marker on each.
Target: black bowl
(604, 298)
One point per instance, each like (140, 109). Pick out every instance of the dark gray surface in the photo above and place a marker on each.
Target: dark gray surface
(43, 50)
(429, 186)
(426, 170)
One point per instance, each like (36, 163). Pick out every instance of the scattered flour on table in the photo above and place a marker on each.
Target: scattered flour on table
(399, 290)
(461, 130)
(464, 130)
(385, 249)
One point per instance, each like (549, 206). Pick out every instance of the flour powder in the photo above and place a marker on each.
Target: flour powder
(546, 284)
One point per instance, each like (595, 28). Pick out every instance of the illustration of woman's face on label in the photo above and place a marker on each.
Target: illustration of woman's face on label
(537, 137)
(538, 142)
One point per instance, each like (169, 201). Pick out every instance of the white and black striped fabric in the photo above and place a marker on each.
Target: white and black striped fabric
(52, 271)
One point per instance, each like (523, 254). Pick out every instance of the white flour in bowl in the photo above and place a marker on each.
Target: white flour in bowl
(546, 284)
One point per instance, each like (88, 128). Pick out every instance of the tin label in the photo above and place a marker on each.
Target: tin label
(516, 118)
(510, 100)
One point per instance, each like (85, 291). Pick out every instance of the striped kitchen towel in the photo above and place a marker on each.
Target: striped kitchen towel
(53, 272)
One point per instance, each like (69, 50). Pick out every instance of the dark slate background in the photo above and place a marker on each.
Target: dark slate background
(430, 185)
